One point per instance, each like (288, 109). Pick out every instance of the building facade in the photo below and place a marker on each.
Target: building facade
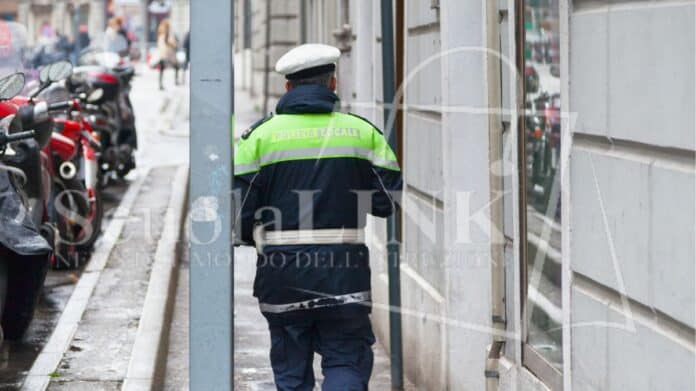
(548, 154)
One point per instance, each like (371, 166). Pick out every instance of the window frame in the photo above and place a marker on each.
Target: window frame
(531, 359)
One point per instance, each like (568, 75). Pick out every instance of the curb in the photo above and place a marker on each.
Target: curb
(46, 363)
(149, 355)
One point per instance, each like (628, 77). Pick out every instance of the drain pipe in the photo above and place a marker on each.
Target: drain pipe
(389, 88)
(267, 59)
(303, 21)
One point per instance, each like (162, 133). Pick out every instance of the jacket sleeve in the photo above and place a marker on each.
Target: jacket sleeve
(246, 186)
(386, 178)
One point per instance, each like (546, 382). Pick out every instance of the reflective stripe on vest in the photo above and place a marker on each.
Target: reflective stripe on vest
(289, 137)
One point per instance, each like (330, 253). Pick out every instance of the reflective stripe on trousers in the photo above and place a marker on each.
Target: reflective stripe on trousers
(320, 302)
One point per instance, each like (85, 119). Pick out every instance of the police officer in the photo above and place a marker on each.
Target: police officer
(306, 178)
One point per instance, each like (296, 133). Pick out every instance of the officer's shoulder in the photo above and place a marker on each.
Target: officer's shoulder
(255, 126)
(365, 120)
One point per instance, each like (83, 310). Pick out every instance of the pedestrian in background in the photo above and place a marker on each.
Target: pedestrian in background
(122, 31)
(166, 47)
(83, 38)
(81, 42)
(63, 46)
(114, 42)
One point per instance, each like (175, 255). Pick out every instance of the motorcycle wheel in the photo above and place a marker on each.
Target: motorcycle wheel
(96, 222)
(25, 279)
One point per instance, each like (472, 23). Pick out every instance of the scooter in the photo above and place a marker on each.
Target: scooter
(24, 252)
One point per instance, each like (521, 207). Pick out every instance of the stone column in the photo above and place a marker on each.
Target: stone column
(23, 13)
(96, 20)
(58, 15)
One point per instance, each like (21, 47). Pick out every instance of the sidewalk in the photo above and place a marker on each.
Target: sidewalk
(93, 344)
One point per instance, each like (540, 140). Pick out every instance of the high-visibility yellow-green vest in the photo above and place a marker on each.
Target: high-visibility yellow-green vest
(288, 137)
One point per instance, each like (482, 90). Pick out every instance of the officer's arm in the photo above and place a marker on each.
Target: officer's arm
(386, 179)
(246, 190)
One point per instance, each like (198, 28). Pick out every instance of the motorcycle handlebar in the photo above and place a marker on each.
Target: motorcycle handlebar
(92, 107)
(9, 138)
(60, 106)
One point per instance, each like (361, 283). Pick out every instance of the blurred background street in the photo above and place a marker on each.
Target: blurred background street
(46, 32)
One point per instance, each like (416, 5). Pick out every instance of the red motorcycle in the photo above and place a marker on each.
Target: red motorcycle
(75, 208)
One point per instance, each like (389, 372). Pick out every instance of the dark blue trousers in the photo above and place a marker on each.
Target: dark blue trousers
(345, 346)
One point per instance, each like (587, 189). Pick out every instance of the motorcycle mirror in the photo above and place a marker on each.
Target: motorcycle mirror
(95, 95)
(11, 85)
(44, 74)
(59, 70)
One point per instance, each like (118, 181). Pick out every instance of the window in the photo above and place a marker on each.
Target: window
(542, 351)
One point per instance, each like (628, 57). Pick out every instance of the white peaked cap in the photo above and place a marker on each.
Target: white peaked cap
(307, 56)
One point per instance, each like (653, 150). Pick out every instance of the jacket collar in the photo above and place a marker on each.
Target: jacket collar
(310, 98)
